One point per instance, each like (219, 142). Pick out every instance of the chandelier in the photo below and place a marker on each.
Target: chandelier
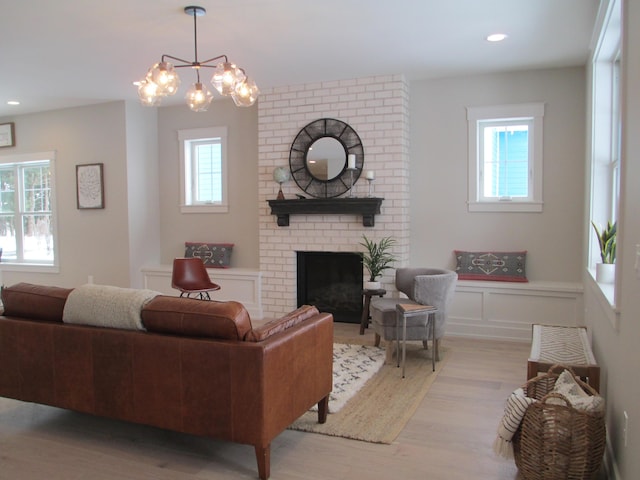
(162, 79)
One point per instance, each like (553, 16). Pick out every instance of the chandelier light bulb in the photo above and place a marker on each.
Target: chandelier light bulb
(199, 97)
(164, 75)
(147, 93)
(226, 76)
(245, 93)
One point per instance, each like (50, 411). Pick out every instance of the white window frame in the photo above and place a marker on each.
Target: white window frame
(185, 138)
(605, 147)
(533, 113)
(28, 265)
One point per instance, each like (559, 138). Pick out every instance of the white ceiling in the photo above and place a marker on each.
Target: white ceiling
(62, 53)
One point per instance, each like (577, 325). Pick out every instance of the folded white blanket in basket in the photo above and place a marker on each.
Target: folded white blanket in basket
(514, 411)
(518, 402)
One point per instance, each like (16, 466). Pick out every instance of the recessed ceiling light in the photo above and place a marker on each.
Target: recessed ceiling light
(496, 37)
(13, 102)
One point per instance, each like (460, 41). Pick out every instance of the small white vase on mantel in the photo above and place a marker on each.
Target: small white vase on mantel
(372, 285)
(605, 272)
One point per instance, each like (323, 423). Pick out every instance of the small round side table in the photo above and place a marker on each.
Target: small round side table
(367, 294)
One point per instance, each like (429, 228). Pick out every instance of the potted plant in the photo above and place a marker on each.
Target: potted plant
(605, 271)
(376, 259)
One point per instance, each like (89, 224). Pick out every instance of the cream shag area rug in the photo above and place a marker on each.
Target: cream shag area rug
(353, 365)
(379, 411)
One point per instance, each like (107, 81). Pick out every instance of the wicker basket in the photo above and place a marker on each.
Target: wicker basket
(558, 442)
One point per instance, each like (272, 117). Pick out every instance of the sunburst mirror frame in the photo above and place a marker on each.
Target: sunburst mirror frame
(348, 138)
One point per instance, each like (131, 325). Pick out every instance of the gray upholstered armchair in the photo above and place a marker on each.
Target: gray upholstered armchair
(425, 286)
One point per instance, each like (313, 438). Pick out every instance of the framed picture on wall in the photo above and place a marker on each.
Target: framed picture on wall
(7, 135)
(90, 185)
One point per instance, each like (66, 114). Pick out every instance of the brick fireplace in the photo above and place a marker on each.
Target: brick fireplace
(377, 109)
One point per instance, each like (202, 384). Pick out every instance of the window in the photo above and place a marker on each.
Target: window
(505, 158)
(606, 121)
(203, 170)
(27, 213)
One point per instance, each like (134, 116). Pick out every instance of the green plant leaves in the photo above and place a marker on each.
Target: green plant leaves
(377, 258)
(607, 241)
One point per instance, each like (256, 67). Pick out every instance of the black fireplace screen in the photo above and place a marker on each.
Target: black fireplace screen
(332, 281)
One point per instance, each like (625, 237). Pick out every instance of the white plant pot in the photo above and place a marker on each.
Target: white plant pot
(372, 285)
(605, 272)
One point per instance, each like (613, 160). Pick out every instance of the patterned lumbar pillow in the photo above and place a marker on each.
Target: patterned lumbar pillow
(496, 266)
(213, 255)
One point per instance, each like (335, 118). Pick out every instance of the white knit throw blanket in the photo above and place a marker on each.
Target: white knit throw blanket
(107, 306)
(514, 411)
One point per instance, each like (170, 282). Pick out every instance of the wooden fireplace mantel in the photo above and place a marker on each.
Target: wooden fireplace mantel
(368, 207)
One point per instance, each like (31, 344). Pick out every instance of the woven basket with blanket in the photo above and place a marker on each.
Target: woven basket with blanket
(562, 433)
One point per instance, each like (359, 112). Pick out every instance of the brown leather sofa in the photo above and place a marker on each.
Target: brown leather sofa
(199, 368)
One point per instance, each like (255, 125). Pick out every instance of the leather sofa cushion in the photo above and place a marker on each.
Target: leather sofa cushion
(196, 318)
(35, 302)
(280, 324)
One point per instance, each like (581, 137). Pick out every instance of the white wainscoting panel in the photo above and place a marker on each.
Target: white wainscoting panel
(243, 285)
(506, 310)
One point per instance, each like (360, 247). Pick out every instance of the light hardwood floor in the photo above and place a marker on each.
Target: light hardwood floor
(449, 437)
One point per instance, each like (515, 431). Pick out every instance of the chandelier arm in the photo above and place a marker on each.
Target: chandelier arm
(186, 63)
(202, 64)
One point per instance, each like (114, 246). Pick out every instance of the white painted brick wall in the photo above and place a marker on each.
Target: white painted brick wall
(377, 108)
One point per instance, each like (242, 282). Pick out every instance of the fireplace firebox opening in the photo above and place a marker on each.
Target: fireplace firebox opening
(331, 281)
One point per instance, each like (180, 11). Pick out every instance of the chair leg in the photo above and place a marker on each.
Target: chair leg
(376, 340)
(425, 344)
(389, 351)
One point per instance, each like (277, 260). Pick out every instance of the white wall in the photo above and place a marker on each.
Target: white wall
(142, 189)
(91, 242)
(240, 225)
(616, 347)
(440, 221)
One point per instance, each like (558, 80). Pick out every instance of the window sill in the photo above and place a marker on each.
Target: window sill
(204, 209)
(510, 206)
(28, 267)
(605, 295)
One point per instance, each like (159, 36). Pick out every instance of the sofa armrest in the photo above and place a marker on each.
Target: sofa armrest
(281, 324)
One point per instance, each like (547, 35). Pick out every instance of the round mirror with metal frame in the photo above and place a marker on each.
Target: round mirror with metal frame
(319, 158)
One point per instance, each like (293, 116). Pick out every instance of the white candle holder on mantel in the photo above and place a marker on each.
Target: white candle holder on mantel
(370, 176)
(351, 170)
(351, 166)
